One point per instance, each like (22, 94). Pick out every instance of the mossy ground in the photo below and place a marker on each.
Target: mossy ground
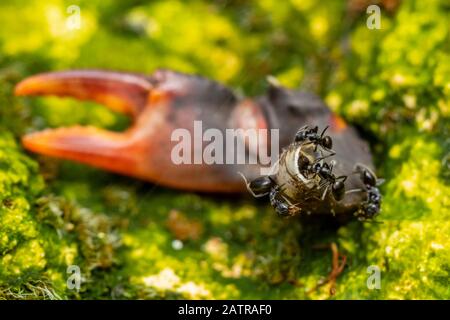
(393, 83)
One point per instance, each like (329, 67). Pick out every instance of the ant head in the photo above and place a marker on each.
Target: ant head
(327, 142)
(303, 162)
(338, 189)
(318, 166)
(368, 178)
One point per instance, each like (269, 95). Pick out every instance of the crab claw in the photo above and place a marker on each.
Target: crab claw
(126, 93)
(121, 92)
(158, 105)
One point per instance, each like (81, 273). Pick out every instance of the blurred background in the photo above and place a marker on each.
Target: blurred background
(132, 239)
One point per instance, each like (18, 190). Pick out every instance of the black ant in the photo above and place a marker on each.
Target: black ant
(311, 134)
(282, 205)
(372, 205)
(266, 185)
(260, 186)
(325, 172)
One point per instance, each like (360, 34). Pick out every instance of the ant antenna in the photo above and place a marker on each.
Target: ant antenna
(321, 135)
(323, 157)
(247, 184)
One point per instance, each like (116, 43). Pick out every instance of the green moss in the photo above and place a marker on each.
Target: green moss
(23, 254)
(41, 236)
(393, 82)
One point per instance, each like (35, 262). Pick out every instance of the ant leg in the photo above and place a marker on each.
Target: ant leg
(325, 193)
(322, 185)
(312, 197)
(319, 187)
(323, 157)
(332, 162)
(354, 190)
(330, 153)
(308, 196)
